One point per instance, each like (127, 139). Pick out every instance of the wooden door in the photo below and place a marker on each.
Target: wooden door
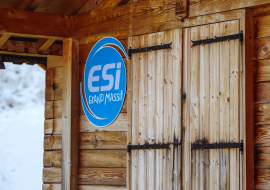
(154, 88)
(213, 83)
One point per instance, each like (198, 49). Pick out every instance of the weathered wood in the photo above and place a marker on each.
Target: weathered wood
(261, 92)
(103, 140)
(57, 75)
(262, 135)
(100, 187)
(261, 70)
(54, 92)
(52, 142)
(32, 23)
(70, 117)
(262, 179)
(4, 38)
(262, 114)
(53, 126)
(261, 48)
(54, 61)
(262, 155)
(53, 109)
(51, 175)
(261, 26)
(102, 158)
(120, 124)
(51, 186)
(52, 158)
(102, 176)
(49, 77)
(31, 48)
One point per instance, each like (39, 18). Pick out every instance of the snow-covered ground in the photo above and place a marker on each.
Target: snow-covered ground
(21, 127)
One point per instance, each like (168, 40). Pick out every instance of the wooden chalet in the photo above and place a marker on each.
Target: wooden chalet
(207, 97)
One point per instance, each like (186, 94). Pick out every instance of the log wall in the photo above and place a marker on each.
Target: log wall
(261, 62)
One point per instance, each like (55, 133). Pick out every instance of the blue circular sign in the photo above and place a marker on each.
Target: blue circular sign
(104, 82)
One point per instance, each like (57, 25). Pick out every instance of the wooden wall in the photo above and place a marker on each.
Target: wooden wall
(261, 62)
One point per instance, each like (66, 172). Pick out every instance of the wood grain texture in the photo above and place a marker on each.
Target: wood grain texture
(52, 142)
(262, 178)
(51, 186)
(53, 109)
(54, 92)
(54, 61)
(51, 175)
(103, 140)
(262, 135)
(261, 26)
(52, 158)
(120, 124)
(262, 155)
(261, 48)
(83, 187)
(53, 126)
(102, 158)
(261, 70)
(262, 11)
(262, 114)
(102, 176)
(261, 92)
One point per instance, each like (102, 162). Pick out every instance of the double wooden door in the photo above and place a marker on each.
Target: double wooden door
(211, 77)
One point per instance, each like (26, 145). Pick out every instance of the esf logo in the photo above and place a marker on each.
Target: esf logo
(104, 82)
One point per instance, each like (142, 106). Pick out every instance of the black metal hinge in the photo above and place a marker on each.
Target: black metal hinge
(150, 48)
(218, 146)
(151, 146)
(219, 39)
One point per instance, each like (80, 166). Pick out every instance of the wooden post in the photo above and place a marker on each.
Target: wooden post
(248, 134)
(70, 118)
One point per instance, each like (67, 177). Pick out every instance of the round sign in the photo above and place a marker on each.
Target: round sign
(104, 82)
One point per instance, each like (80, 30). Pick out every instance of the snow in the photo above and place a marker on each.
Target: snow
(21, 127)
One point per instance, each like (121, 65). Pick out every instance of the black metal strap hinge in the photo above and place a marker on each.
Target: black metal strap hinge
(219, 39)
(218, 146)
(150, 48)
(151, 146)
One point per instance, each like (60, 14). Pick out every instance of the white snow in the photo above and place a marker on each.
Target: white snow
(21, 127)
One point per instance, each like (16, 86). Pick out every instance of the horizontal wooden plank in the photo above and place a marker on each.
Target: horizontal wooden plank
(52, 142)
(262, 114)
(262, 11)
(54, 92)
(31, 48)
(52, 175)
(53, 126)
(49, 77)
(33, 23)
(120, 124)
(261, 70)
(85, 49)
(102, 158)
(54, 61)
(57, 75)
(262, 179)
(102, 176)
(52, 158)
(51, 186)
(120, 35)
(262, 155)
(103, 140)
(262, 135)
(261, 48)
(83, 187)
(53, 109)
(261, 26)
(261, 92)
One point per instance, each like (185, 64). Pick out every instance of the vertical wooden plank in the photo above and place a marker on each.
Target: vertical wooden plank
(135, 111)
(214, 107)
(247, 120)
(142, 115)
(224, 106)
(129, 113)
(176, 103)
(195, 108)
(159, 114)
(186, 160)
(204, 105)
(151, 79)
(71, 112)
(234, 105)
(168, 91)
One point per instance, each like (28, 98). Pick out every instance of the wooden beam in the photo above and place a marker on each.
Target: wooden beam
(45, 43)
(70, 115)
(33, 23)
(29, 5)
(109, 3)
(4, 38)
(75, 7)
